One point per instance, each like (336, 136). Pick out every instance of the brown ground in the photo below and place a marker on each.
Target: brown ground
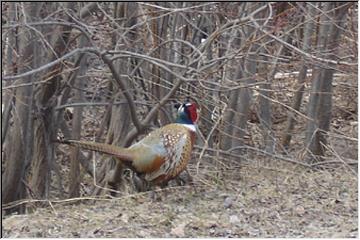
(256, 202)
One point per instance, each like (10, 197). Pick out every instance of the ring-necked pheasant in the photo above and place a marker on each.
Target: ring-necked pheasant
(161, 155)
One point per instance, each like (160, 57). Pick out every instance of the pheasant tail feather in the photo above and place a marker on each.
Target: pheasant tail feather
(118, 152)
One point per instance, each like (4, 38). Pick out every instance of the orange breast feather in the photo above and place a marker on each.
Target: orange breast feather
(154, 165)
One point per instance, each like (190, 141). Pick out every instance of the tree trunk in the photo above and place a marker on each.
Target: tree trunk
(265, 104)
(19, 149)
(244, 101)
(75, 176)
(120, 122)
(8, 96)
(290, 122)
(320, 103)
(46, 101)
(234, 71)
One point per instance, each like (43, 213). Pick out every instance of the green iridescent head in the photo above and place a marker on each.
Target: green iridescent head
(187, 113)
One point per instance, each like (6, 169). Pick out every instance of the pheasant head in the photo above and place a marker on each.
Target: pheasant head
(187, 114)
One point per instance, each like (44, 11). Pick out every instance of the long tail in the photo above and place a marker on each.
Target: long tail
(112, 150)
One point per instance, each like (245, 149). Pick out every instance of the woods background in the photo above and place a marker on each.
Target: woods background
(275, 82)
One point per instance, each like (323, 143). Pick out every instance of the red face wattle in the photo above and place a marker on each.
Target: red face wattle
(192, 112)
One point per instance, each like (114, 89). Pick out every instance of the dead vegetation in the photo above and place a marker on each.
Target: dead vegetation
(246, 201)
(252, 194)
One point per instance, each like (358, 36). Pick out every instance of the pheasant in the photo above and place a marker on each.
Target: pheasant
(160, 156)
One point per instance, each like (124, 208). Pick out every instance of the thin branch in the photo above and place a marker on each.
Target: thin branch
(127, 95)
(51, 23)
(305, 54)
(86, 104)
(271, 155)
(133, 133)
(51, 64)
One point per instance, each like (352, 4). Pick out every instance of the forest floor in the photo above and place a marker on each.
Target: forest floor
(253, 202)
(252, 196)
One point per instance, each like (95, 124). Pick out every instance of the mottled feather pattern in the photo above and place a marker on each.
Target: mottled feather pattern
(174, 144)
(176, 140)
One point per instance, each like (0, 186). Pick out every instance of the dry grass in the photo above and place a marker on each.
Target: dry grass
(290, 201)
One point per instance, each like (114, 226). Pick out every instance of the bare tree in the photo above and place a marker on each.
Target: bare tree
(307, 40)
(320, 105)
(75, 175)
(18, 151)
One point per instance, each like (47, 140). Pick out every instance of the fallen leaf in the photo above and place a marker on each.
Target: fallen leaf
(234, 219)
(179, 230)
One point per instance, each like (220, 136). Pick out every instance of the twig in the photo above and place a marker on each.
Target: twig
(126, 94)
(207, 140)
(334, 162)
(338, 157)
(261, 151)
(305, 54)
(52, 207)
(51, 64)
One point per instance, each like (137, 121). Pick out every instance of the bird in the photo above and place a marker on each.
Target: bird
(160, 156)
